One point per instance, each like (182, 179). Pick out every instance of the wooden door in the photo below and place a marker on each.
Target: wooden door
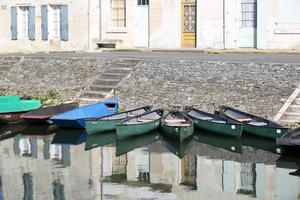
(188, 23)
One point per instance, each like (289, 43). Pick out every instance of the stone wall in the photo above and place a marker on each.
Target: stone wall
(256, 88)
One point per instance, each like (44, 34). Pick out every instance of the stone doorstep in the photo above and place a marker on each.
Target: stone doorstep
(93, 94)
(118, 76)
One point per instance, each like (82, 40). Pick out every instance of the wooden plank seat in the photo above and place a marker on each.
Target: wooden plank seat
(243, 119)
(175, 121)
(145, 119)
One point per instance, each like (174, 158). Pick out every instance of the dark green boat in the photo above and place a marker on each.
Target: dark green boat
(214, 123)
(108, 123)
(129, 144)
(178, 148)
(254, 124)
(98, 140)
(177, 125)
(266, 144)
(140, 124)
(221, 141)
(69, 136)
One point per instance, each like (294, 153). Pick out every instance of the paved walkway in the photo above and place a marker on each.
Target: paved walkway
(182, 55)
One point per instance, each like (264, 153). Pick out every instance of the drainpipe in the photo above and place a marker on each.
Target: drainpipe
(88, 40)
(100, 20)
(224, 24)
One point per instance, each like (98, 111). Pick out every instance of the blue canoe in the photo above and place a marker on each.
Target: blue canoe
(76, 118)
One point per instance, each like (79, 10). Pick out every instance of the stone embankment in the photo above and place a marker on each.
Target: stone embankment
(256, 88)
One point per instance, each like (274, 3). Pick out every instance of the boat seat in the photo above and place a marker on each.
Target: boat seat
(205, 118)
(219, 121)
(243, 119)
(175, 120)
(256, 123)
(145, 120)
(179, 124)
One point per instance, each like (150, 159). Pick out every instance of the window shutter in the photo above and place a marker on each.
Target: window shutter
(31, 23)
(14, 24)
(64, 23)
(44, 14)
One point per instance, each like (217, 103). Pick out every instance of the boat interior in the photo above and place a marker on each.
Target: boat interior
(207, 116)
(244, 118)
(177, 119)
(144, 118)
(126, 114)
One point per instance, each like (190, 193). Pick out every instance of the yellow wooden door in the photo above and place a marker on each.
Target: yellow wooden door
(188, 23)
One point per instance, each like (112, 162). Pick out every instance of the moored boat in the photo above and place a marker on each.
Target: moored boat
(43, 115)
(69, 136)
(214, 122)
(140, 124)
(291, 138)
(76, 117)
(108, 123)
(11, 112)
(98, 140)
(253, 124)
(178, 148)
(177, 125)
(9, 99)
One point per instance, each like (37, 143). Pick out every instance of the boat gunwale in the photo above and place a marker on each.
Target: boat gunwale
(129, 118)
(273, 124)
(228, 121)
(101, 118)
(188, 119)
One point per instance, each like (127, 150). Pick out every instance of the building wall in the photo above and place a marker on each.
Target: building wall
(79, 37)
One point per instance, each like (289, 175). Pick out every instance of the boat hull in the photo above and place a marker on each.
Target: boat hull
(233, 130)
(129, 130)
(267, 132)
(177, 132)
(93, 127)
(10, 117)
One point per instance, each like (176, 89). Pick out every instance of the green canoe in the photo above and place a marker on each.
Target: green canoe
(129, 144)
(177, 125)
(108, 123)
(254, 124)
(266, 144)
(21, 106)
(221, 141)
(9, 99)
(140, 124)
(178, 148)
(214, 123)
(98, 140)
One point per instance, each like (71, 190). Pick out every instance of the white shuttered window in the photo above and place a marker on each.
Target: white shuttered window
(54, 21)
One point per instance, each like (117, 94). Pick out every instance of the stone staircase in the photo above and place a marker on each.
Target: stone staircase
(290, 111)
(103, 86)
(7, 62)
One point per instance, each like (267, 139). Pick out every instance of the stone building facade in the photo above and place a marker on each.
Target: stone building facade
(74, 25)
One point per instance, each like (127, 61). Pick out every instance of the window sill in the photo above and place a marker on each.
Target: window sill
(286, 30)
(116, 30)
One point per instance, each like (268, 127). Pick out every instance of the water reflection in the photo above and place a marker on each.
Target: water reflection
(68, 164)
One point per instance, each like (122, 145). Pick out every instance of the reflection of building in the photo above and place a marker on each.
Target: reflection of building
(99, 174)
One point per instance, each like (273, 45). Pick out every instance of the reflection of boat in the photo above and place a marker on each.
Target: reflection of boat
(140, 124)
(254, 124)
(178, 148)
(177, 125)
(39, 129)
(129, 144)
(70, 136)
(289, 162)
(76, 117)
(221, 141)
(10, 130)
(214, 122)
(291, 138)
(42, 115)
(266, 144)
(108, 123)
(97, 140)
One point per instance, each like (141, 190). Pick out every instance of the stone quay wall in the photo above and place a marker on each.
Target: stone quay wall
(257, 88)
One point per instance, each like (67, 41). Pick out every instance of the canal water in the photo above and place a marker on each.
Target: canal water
(40, 162)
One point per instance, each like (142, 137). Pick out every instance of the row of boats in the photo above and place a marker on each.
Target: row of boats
(104, 117)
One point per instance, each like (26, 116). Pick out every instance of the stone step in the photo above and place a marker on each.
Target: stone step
(292, 113)
(102, 88)
(88, 101)
(288, 121)
(297, 101)
(111, 82)
(118, 66)
(4, 68)
(93, 94)
(293, 108)
(291, 118)
(118, 76)
(119, 70)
